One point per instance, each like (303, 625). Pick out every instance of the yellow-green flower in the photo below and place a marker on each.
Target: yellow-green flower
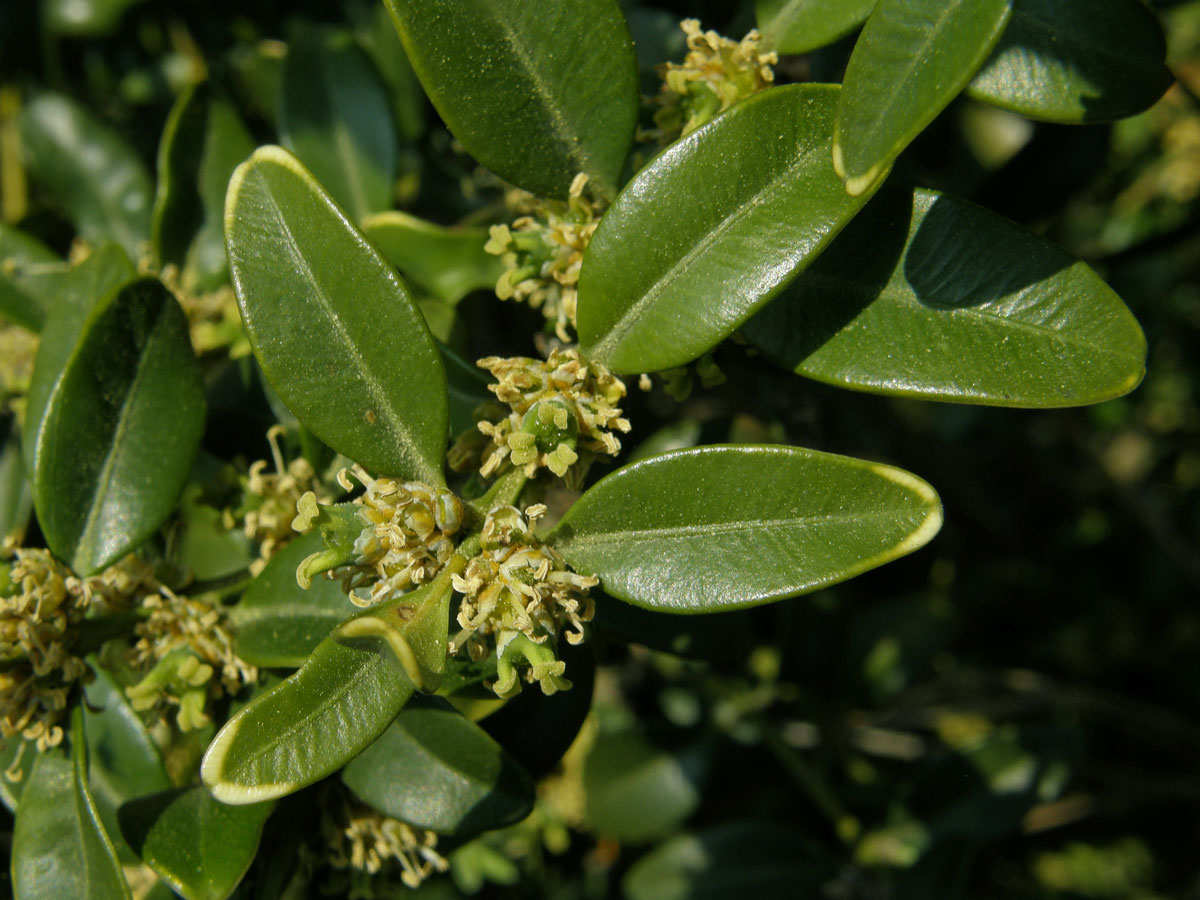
(358, 837)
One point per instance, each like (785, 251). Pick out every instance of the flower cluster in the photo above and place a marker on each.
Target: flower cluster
(360, 838)
(715, 74)
(557, 409)
(542, 254)
(518, 595)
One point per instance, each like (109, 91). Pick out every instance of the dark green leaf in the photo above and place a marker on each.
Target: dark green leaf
(199, 846)
(722, 527)
(925, 295)
(696, 242)
(537, 91)
(21, 259)
(912, 58)
(277, 622)
(335, 116)
(59, 846)
(84, 18)
(448, 263)
(467, 389)
(16, 498)
(335, 329)
(90, 171)
(1071, 61)
(797, 26)
(120, 429)
(435, 769)
(378, 36)
(203, 142)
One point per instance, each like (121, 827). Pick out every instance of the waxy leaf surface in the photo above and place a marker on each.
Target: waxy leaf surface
(797, 26)
(334, 328)
(711, 229)
(435, 769)
(21, 259)
(925, 295)
(91, 173)
(537, 91)
(448, 263)
(120, 429)
(723, 527)
(1067, 61)
(912, 58)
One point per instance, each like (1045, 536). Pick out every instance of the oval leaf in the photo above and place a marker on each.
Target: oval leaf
(448, 263)
(925, 295)
(537, 91)
(21, 259)
(912, 58)
(120, 429)
(1067, 61)
(712, 229)
(435, 769)
(797, 26)
(90, 171)
(335, 329)
(722, 527)
(334, 114)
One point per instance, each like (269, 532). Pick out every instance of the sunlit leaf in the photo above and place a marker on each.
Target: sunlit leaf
(449, 263)
(797, 26)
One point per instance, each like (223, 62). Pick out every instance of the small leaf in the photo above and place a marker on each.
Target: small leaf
(723, 527)
(21, 259)
(912, 58)
(537, 91)
(90, 171)
(334, 328)
(435, 769)
(674, 268)
(203, 142)
(199, 846)
(1067, 61)
(334, 114)
(448, 263)
(59, 847)
(120, 430)
(797, 26)
(277, 623)
(928, 296)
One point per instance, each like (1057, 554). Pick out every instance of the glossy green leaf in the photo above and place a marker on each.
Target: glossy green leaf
(341, 699)
(85, 18)
(21, 259)
(925, 295)
(92, 174)
(912, 58)
(797, 26)
(674, 268)
(435, 769)
(1071, 61)
(277, 623)
(722, 527)
(334, 114)
(79, 292)
(59, 847)
(449, 263)
(198, 845)
(203, 142)
(537, 91)
(334, 328)
(120, 429)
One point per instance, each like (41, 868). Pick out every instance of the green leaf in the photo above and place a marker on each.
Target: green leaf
(334, 328)
(203, 142)
(797, 26)
(278, 623)
(925, 295)
(697, 242)
(16, 497)
(467, 388)
(120, 430)
(17, 756)
(374, 29)
(1071, 61)
(59, 847)
(206, 546)
(435, 769)
(79, 291)
(84, 18)
(912, 58)
(448, 263)
(199, 846)
(92, 174)
(341, 699)
(722, 527)
(21, 259)
(537, 91)
(334, 114)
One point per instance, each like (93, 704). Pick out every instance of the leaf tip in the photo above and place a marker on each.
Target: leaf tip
(932, 523)
(857, 185)
(212, 773)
